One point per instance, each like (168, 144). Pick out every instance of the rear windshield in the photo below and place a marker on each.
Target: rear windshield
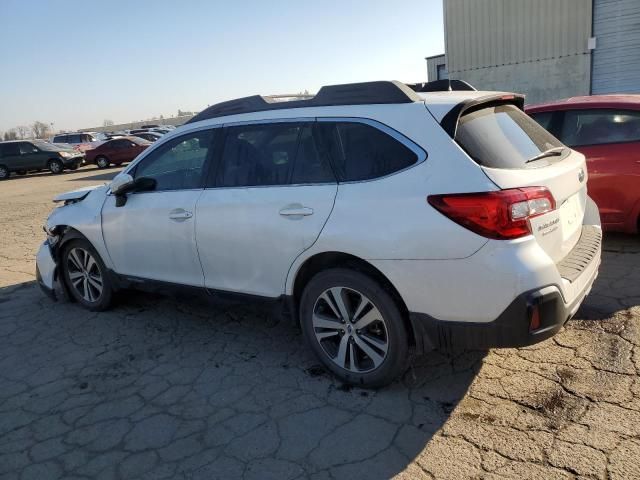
(504, 137)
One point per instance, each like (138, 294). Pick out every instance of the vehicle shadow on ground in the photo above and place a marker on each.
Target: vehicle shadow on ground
(211, 389)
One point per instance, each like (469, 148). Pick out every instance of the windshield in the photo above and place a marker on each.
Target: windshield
(48, 147)
(504, 137)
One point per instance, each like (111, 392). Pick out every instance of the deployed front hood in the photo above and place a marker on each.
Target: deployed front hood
(76, 195)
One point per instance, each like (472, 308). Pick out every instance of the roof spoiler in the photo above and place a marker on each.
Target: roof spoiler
(450, 121)
(441, 86)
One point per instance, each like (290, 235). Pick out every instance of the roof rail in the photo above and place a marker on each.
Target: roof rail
(381, 92)
(441, 86)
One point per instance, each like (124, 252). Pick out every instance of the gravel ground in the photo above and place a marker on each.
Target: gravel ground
(168, 388)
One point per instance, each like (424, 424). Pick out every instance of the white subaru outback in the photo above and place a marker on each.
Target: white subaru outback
(384, 218)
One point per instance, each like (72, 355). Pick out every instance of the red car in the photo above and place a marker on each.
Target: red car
(606, 129)
(116, 151)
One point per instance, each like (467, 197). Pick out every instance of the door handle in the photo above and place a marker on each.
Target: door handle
(296, 211)
(180, 214)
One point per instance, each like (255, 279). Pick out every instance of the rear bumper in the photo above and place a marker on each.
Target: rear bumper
(515, 326)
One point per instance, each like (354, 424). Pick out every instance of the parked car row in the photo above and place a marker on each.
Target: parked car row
(73, 149)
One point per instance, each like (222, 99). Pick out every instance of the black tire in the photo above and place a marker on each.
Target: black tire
(55, 166)
(81, 288)
(4, 172)
(102, 162)
(391, 325)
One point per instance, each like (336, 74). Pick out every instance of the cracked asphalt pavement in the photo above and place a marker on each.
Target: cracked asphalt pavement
(163, 387)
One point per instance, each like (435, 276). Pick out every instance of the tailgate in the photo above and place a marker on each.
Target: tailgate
(558, 231)
(514, 152)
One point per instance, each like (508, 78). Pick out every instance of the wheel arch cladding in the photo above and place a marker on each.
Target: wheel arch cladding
(327, 260)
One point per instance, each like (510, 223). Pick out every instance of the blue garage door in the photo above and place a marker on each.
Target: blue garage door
(616, 59)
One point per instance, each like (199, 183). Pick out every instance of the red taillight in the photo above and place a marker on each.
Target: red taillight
(500, 215)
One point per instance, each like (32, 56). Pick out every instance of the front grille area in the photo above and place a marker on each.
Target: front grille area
(571, 266)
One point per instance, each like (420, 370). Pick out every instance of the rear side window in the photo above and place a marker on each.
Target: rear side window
(60, 139)
(600, 126)
(503, 137)
(362, 152)
(271, 154)
(10, 149)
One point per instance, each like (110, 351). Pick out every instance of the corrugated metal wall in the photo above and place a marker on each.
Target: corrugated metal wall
(432, 66)
(616, 59)
(487, 33)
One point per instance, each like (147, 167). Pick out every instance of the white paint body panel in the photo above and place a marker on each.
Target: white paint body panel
(144, 242)
(246, 245)
(75, 194)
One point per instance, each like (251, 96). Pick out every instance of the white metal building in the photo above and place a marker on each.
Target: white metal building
(547, 49)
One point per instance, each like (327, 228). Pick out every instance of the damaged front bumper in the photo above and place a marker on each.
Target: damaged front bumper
(46, 271)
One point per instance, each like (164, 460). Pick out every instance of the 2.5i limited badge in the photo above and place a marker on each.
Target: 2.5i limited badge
(547, 225)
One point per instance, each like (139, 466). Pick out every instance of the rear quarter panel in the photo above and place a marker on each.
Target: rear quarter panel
(390, 218)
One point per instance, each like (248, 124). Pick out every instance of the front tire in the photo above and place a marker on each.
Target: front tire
(86, 276)
(56, 166)
(4, 172)
(354, 327)
(102, 162)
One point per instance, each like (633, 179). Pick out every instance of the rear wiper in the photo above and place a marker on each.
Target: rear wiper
(548, 153)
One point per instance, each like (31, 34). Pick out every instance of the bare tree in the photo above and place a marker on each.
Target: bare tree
(107, 123)
(40, 129)
(10, 135)
(23, 131)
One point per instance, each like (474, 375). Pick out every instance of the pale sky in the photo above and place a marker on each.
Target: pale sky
(75, 63)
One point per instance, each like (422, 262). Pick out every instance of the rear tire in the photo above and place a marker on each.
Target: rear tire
(354, 327)
(86, 276)
(4, 172)
(102, 162)
(55, 166)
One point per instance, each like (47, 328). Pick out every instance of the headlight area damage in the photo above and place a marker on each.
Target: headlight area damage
(46, 265)
(58, 233)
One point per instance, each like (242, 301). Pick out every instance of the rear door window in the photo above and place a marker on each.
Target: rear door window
(600, 126)
(360, 151)
(503, 136)
(272, 154)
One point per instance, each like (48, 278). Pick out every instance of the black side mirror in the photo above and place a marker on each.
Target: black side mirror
(142, 184)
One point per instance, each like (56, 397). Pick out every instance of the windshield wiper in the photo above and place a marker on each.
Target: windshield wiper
(552, 152)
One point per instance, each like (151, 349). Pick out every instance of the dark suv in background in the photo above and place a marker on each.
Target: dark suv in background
(20, 156)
